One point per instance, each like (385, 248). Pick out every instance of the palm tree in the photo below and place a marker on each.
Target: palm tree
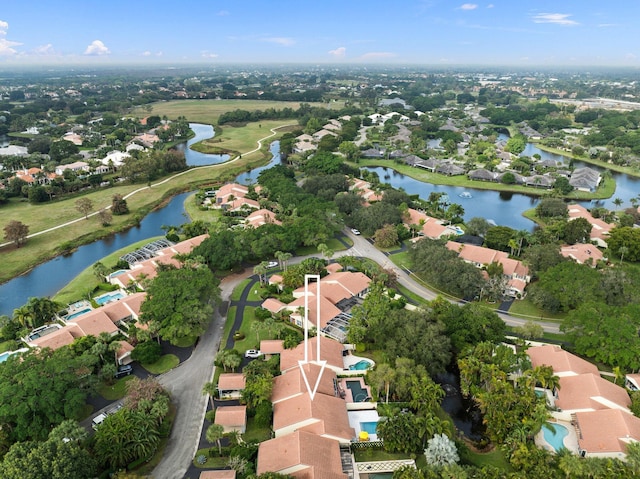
(24, 316)
(283, 257)
(261, 270)
(209, 389)
(214, 433)
(622, 251)
(618, 202)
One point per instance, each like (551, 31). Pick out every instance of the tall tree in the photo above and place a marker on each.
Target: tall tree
(214, 433)
(16, 232)
(84, 206)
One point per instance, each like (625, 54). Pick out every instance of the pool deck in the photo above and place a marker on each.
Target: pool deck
(352, 359)
(349, 393)
(356, 417)
(570, 441)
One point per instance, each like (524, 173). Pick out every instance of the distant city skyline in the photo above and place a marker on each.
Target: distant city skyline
(428, 32)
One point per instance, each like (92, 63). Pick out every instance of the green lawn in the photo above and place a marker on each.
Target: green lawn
(115, 391)
(162, 365)
(255, 433)
(196, 213)
(208, 111)
(526, 309)
(236, 140)
(212, 462)
(494, 458)
(185, 342)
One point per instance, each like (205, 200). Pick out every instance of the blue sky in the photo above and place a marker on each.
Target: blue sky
(429, 32)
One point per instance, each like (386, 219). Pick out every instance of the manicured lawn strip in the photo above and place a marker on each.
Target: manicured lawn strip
(185, 342)
(115, 391)
(212, 462)
(425, 176)
(162, 365)
(255, 292)
(237, 291)
(84, 412)
(250, 340)
(370, 454)
(412, 296)
(208, 111)
(46, 215)
(83, 284)
(526, 309)
(7, 346)
(494, 458)
(231, 314)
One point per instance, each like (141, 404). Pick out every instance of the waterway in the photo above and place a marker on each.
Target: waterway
(48, 278)
(500, 207)
(195, 158)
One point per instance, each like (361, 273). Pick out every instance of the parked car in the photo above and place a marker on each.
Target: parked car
(123, 371)
(272, 264)
(98, 420)
(252, 353)
(355, 231)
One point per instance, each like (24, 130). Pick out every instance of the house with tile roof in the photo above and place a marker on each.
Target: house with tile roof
(599, 229)
(219, 474)
(303, 455)
(331, 351)
(516, 273)
(606, 433)
(231, 385)
(427, 226)
(292, 383)
(585, 179)
(323, 415)
(582, 253)
(262, 217)
(232, 418)
(562, 362)
(590, 392)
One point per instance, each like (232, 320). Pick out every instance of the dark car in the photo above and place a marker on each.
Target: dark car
(123, 371)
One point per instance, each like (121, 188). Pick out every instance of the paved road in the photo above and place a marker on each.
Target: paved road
(185, 385)
(362, 247)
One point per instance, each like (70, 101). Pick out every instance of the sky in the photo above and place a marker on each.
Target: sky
(427, 32)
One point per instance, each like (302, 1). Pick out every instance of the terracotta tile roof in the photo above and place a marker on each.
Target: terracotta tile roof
(94, 322)
(480, 255)
(134, 301)
(272, 346)
(231, 416)
(330, 351)
(562, 362)
(590, 392)
(274, 305)
(310, 455)
(607, 431)
(328, 413)
(600, 229)
(231, 382)
(57, 339)
(221, 474)
(328, 310)
(235, 189)
(582, 253)
(261, 217)
(291, 383)
(334, 268)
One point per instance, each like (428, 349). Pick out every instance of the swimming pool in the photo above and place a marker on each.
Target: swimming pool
(77, 313)
(554, 434)
(108, 298)
(4, 356)
(358, 393)
(370, 426)
(118, 273)
(361, 365)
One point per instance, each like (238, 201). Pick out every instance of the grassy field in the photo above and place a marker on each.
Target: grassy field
(235, 140)
(115, 391)
(47, 215)
(162, 365)
(606, 189)
(208, 111)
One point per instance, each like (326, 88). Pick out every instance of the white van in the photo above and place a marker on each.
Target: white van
(98, 420)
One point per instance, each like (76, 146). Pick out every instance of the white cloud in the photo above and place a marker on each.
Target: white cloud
(45, 50)
(208, 54)
(608, 25)
(6, 46)
(284, 41)
(377, 55)
(97, 48)
(468, 6)
(338, 52)
(557, 18)
(146, 54)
